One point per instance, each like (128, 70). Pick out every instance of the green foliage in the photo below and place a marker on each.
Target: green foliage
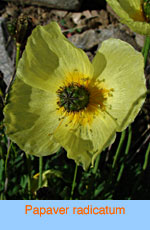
(127, 180)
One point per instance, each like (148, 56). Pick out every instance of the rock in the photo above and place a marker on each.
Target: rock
(111, 11)
(87, 14)
(119, 31)
(140, 40)
(76, 17)
(58, 4)
(59, 13)
(103, 18)
(90, 38)
(86, 40)
(6, 65)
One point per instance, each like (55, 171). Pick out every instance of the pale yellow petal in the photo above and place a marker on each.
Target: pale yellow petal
(137, 26)
(48, 57)
(99, 64)
(84, 143)
(115, 5)
(131, 14)
(30, 119)
(124, 74)
(132, 7)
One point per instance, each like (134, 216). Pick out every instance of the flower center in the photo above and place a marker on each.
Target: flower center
(80, 99)
(73, 97)
(146, 9)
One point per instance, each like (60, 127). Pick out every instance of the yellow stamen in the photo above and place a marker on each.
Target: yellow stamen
(98, 94)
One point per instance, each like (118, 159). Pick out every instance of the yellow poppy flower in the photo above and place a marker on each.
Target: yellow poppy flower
(59, 98)
(133, 13)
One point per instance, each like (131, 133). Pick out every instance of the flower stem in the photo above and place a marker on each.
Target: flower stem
(129, 139)
(126, 152)
(17, 53)
(7, 156)
(146, 48)
(96, 164)
(74, 181)
(40, 171)
(123, 134)
(6, 164)
(146, 157)
(145, 51)
(29, 174)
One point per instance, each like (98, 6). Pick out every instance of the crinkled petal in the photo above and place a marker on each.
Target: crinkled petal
(127, 8)
(138, 27)
(84, 143)
(124, 74)
(98, 61)
(30, 119)
(131, 14)
(116, 6)
(132, 7)
(78, 148)
(48, 57)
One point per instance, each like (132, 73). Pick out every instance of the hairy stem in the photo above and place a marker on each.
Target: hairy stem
(145, 49)
(40, 171)
(146, 157)
(122, 138)
(74, 181)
